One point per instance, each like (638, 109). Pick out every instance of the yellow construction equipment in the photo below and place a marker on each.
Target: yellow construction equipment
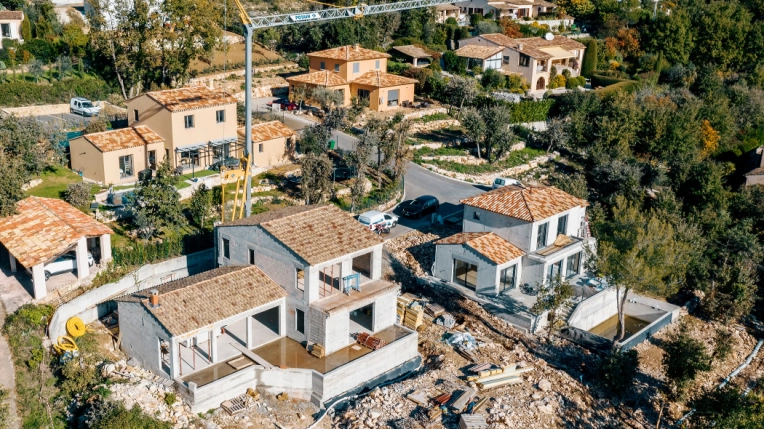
(235, 176)
(243, 13)
(76, 327)
(65, 344)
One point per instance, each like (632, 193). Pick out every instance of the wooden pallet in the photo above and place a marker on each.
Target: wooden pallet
(318, 351)
(464, 398)
(240, 363)
(235, 405)
(467, 354)
(480, 367)
(472, 421)
(434, 310)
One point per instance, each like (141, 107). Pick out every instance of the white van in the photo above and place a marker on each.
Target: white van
(374, 217)
(83, 106)
(504, 181)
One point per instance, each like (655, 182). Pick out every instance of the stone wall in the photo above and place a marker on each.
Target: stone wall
(204, 80)
(421, 113)
(488, 178)
(423, 127)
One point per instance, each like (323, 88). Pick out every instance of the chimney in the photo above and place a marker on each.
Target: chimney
(356, 47)
(519, 46)
(154, 298)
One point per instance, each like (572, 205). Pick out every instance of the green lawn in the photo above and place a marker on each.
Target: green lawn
(123, 187)
(182, 185)
(55, 181)
(198, 173)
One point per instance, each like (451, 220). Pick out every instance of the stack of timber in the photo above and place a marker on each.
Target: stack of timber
(434, 414)
(434, 310)
(472, 421)
(466, 353)
(401, 306)
(442, 399)
(318, 351)
(490, 378)
(370, 342)
(464, 398)
(414, 316)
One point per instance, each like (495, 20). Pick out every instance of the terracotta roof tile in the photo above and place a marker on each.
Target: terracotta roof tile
(323, 78)
(45, 228)
(12, 14)
(269, 131)
(412, 51)
(756, 172)
(477, 51)
(380, 79)
(487, 244)
(108, 141)
(532, 45)
(198, 301)
(316, 233)
(528, 204)
(190, 98)
(447, 7)
(349, 53)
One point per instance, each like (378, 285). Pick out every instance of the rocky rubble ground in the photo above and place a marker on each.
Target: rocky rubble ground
(416, 249)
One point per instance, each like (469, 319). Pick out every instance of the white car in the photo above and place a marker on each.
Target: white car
(64, 264)
(374, 217)
(500, 182)
(83, 106)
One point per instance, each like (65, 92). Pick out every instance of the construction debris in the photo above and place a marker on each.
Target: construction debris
(442, 399)
(318, 351)
(370, 342)
(446, 320)
(415, 249)
(472, 421)
(414, 316)
(434, 310)
(235, 405)
(464, 398)
(418, 397)
(283, 396)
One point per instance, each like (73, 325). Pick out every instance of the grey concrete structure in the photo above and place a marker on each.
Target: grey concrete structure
(488, 272)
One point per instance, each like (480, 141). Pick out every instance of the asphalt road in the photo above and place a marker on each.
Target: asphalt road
(68, 119)
(418, 180)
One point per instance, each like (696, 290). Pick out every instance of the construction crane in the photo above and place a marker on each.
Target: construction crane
(256, 22)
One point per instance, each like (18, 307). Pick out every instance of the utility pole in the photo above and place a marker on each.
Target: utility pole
(248, 120)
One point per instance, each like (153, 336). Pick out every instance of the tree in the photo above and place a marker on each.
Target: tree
(487, 27)
(710, 139)
(26, 29)
(12, 59)
(316, 177)
(397, 150)
(360, 157)
(12, 178)
(454, 63)
(32, 143)
(201, 205)
(327, 98)
(300, 94)
(729, 408)
(36, 69)
(556, 134)
(462, 90)
(491, 79)
(474, 126)
(618, 369)
(577, 8)
(554, 296)
(314, 139)
(637, 251)
(684, 358)
(156, 202)
(97, 125)
(78, 195)
(590, 59)
(491, 127)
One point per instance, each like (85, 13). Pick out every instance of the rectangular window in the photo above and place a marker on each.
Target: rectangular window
(300, 322)
(376, 64)
(541, 237)
(220, 116)
(300, 279)
(260, 147)
(189, 157)
(554, 270)
(562, 225)
(506, 59)
(6, 28)
(226, 248)
(125, 166)
(251, 256)
(525, 60)
(465, 274)
(476, 215)
(189, 121)
(392, 97)
(574, 265)
(337, 68)
(135, 115)
(364, 94)
(356, 67)
(507, 278)
(323, 65)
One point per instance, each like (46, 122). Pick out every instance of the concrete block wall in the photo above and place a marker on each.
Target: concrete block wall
(337, 331)
(297, 382)
(315, 325)
(140, 336)
(594, 310)
(210, 396)
(384, 311)
(444, 266)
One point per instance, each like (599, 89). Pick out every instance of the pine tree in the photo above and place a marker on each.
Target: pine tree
(590, 59)
(26, 29)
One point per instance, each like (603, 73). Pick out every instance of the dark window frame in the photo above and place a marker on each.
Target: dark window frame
(524, 60)
(562, 225)
(226, 247)
(188, 121)
(251, 256)
(299, 321)
(541, 239)
(220, 116)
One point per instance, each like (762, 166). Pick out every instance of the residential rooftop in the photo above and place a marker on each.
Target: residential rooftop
(535, 46)
(269, 131)
(44, 228)
(109, 141)
(380, 79)
(487, 244)
(198, 301)
(413, 51)
(316, 233)
(349, 53)
(11, 14)
(477, 51)
(323, 78)
(530, 204)
(190, 98)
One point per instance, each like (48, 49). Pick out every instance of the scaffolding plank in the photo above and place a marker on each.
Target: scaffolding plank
(248, 353)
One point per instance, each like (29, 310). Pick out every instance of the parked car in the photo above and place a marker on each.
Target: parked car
(373, 218)
(283, 104)
(83, 106)
(421, 206)
(343, 173)
(504, 181)
(64, 264)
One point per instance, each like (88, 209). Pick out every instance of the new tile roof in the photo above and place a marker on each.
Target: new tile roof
(487, 244)
(756, 172)
(11, 14)
(349, 53)
(412, 51)
(108, 141)
(44, 228)
(529, 204)
(447, 7)
(477, 51)
(531, 46)
(380, 79)
(323, 78)
(316, 233)
(198, 301)
(190, 98)
(269, 131)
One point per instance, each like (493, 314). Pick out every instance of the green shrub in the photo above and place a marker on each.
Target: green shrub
(22, 93)
(617, 371)
(396, 67)
(514, 159)
(440, 116)
(524, 111)
(477, 70)
(627, 86)
(116, 416)
(575, 82)
(5, 414)
(590, 59)
(170, 398)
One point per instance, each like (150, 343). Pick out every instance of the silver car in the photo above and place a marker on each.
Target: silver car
(64, 264)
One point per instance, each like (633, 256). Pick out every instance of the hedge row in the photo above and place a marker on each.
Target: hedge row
(602, 80)
(522, 112)
(626, 85)
(22, 93)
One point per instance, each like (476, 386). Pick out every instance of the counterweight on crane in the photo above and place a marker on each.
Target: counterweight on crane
(255, 22)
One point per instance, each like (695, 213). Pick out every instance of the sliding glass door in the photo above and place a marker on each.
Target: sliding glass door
(465, 274)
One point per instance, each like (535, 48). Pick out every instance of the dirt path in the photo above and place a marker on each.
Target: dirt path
(7, 375)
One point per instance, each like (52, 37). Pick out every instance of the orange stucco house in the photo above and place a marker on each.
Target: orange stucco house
(356, 72)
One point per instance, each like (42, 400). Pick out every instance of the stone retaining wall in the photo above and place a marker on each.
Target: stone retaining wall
(488, 178)
(424, 112)
(204, 80)
(423, 127)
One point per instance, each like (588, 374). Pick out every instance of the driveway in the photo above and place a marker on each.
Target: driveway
(68, 119)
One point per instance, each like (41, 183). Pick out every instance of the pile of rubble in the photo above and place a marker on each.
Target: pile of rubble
(416, 249)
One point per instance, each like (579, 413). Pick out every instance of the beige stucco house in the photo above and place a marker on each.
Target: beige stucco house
(485, 57)
(515, 9)
(198, 124)
(533, 57)
(269, 143)
(357, 72)
(10, 25)
(117, 156)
